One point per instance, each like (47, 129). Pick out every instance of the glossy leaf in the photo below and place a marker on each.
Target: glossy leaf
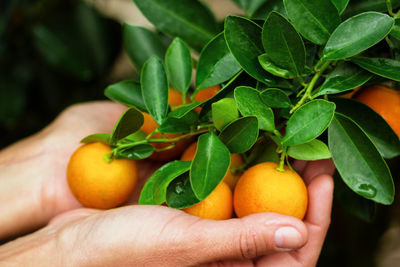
(139, 135)
(209, 166)
(179, 125)
(224, 111)
(357, 34)
(189, 19)
(243, 38)
(140, 151)
(272, 68)
(155, 88)
(283, 45)
(340, 5)
(308, 122)
(250, 6)
(129, 122)
(345, 77)
(180, 193)
(385, 139)
(178, 62)
(357, 7)
(264, 151)
(355, 204)
(216, 64)
(184, 110)
(395, 32)
(240, 135)
(385, 67)
(313, 150)
(271, 5)
(128, 93)
(140, 43)
(314, 19)
(249, 103)
(358, 161)
(104, 138)
(275, 98)
(155, 189)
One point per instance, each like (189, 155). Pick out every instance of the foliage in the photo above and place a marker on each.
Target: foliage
(281, 68)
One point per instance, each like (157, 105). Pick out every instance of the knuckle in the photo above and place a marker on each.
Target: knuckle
(248, 245)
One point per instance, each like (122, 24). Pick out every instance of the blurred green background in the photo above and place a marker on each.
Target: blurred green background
(56, 53)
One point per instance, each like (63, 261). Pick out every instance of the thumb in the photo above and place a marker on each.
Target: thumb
(247, 238)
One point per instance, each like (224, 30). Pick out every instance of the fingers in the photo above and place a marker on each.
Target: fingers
(318, 216)
(318, 167)
(247, 238)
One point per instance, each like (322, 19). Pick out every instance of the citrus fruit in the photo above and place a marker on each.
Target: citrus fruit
(99, 184)
(149, 125)
(205, 94)
(230, 178)
(216, 206)
(262, 188)
(385, 102)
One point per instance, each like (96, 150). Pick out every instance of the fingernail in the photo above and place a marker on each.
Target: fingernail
(287, 238)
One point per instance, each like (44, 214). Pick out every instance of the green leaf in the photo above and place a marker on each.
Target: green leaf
(178, 61)
(180, 194)
(224, 111)
(286, 49)
(128, 93)
(275, 98)
(189, 19)
(308, 122)
(395, 32)
(184, 109)
(264, 151)
(104, 138)
(155, 88)
(345, 77)
(140, 151)
(357, 7)
(216, 64)
(313, 150)
(240, 135)
(243, 38)
(155, 190)
(209, 166)
(141, 43)
(250, 6)
(384, 67)
(355, 204)
(358, 161)
(249, 103)
(314, 19)
(357, 34)
(136, 136)
(271, 5)
(385, 139)
(129, 122)
(340, 5)
(179, 125)
(269, 66)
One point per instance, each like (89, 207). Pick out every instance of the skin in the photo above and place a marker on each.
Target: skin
(34, 197)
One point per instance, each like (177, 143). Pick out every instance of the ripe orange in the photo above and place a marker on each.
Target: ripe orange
(262, 188)
(96, 183)
(149, 125)
(205, 94)
(217, 206)
(236, 160)
(385, 102)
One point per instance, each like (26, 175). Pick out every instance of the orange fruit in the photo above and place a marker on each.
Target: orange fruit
(262, 188)
(351, 93)
(149, 125)
(385, 102)
(216, 206)
(236, 160)
(99, 184)
(205, 94)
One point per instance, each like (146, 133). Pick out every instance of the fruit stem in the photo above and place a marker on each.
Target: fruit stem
(282, 160)
(309, 88)
(389, 8)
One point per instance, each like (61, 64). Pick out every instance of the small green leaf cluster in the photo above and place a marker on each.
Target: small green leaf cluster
(280, 68)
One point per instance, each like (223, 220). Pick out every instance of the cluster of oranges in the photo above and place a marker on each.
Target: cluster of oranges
(261, 188)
